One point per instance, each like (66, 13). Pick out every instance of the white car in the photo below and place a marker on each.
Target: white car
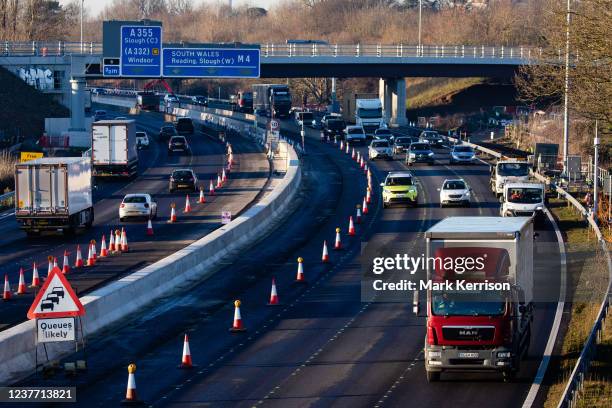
(380, 149)
(137, 205)
(455, 191)
(354, 134)
(142, 140)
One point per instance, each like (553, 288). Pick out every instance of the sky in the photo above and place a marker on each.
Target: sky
(95, 6)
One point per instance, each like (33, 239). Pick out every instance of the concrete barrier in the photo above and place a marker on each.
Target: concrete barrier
(120, 298)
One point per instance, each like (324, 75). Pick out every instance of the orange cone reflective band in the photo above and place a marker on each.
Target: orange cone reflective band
(186, 360)
(202, 199)
(211, 188)
(91, 261)
(55, 265)
(237, 325)
(65, 264)
(358, 215)
(93, 249)
(187, 204)
(219, 182)
(111, 242)
(103, 249)
(130, 394)
(117, 241)
(362, 163)
(358, 158)
(300, 272)
(338, 243)
(365, 206)
(6, 295)
(223, 176)
(273, 294)
(124, 242)
(354, 154)
(21, 289)
(368, 195)
(79, 258)
(341, 144)
(172, 213)
(149, 227)
(35, 277)
(325, 256)
(351, 229)
(347, 148)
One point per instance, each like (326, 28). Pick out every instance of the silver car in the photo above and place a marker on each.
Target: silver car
(137, 206)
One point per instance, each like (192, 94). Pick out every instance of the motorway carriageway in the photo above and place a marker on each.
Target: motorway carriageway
(323, 346)
(249, 175)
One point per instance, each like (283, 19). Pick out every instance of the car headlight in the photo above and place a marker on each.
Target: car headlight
(467, 194)
(504, 354)
(412, 155)
(431, 154)
(539, 208)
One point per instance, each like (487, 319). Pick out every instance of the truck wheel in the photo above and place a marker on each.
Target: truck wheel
(433, 376)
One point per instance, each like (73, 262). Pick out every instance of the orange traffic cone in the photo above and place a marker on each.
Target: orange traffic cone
(50, 264)
(365, 169)
(124, 242)
(103, 249)
(6, 295)
(341, 145)
(300, 272)
(354, 154)
(368, 195)
(79, 258)
(55, 265)
(117, 241)
(211, 188)
(186, 360)
(219, 182)
(351, 228)
(202, 199)
(338, 243)
(187, 204)
(325, 255)
(65, 263)
(237, 325)
(172, 213)
(91, 261)
(21, 289)
(35, 277)
(347, 151)
(358, 158)
(273, 294)
(358, 215)
(362, 163)
(149, 227)
(93, 249)
(223, 176)
(130, 395)
(111, 242)
(365, 206)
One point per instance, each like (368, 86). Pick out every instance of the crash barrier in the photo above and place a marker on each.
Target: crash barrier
(575, 383)
(123, 297)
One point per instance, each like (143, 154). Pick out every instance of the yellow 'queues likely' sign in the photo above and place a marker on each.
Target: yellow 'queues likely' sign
(27, 156)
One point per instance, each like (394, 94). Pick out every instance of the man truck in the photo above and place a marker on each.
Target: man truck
(508, 171)
(53, 194)
(271, 100)
(364, 110)
(523, 200)
(113, 148)
(482, 320)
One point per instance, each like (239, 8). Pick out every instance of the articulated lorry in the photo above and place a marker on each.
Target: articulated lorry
(363, 110)
(480, 302)
(113, 148)
(271, 99)
(523, 200)
(508, 171)
(53, 194)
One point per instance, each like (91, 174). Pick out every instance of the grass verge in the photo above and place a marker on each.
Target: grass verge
(587, 283)
(425, 93)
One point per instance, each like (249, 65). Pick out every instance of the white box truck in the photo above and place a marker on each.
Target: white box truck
(114, 151)
(53, 194)
(480, 301)
(509, 171)
(523, 200)
(364, 110)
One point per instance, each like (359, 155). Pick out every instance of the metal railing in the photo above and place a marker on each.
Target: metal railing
(271, 50)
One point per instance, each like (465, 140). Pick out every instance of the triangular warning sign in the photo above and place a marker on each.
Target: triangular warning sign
(56, 298)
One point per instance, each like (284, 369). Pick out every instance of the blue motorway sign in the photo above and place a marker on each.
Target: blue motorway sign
(141, 51)
(211, 62)
(111, 70)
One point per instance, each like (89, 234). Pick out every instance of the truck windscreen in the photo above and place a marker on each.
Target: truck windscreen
(467, 303)
(513, 169)
(281, 97)
(369, 113)
(525, 195)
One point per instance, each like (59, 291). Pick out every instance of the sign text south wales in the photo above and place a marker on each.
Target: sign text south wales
(211, 62)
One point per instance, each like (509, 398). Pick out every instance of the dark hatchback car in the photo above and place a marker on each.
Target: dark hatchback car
(178, 144)
(166, 132)
(401, 143)
(184, 126)
(419, 153)
(183, 179)
(334, 127)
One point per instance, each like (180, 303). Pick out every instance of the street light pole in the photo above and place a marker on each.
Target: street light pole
(566, 90)
(420, 12)
(595, 173)
(82, 4)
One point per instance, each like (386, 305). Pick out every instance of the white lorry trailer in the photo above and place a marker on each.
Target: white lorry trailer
(54, 194)
(114, 150)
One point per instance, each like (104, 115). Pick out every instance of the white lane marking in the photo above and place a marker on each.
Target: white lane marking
(554, 331)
